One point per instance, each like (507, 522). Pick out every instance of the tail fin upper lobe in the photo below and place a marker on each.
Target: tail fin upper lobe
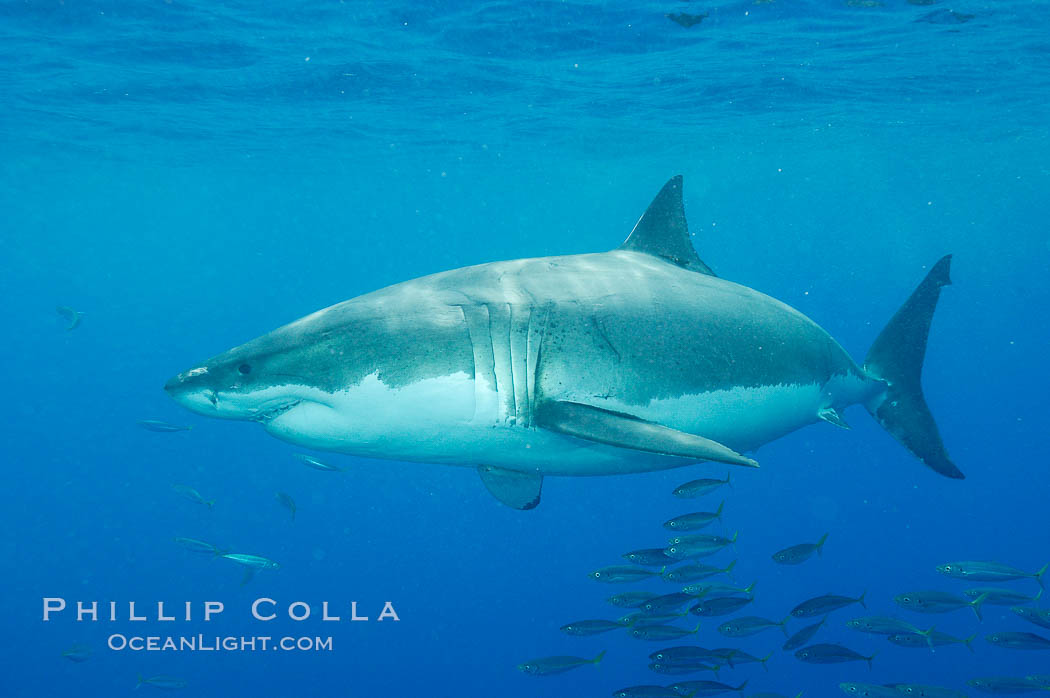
(896, 358)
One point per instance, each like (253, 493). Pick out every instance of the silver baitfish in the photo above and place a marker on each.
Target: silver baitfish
(1039, 616)
(830, 654)
(803, 636)
(937, 602)
(1002, 597)
(984, 571)
(916, 689)
(286, 501)
(882, 625)
(698, 488)
(666, 603)
(695, 572)
(696, 520)
(254, 561)
(591, 627)
(79, 652)
(1004, 684)
(697, 545)
(199, 546)
(702, 538)
(720, 606)
(683, 668)
(685, 654)
(631, 599)
(822, 605)
(72, 317)
(1019, 641)
(622, 574)
(162, 427)
(192, 495)
(736, 657)
(545, 666)
(704, 688)
(797, 554)
(167, 683)
(655, 633)
(699, 590)
(868, 690)
(640, 619)
(751, 625)
(317, 464)
(929, 639)
(649, 557)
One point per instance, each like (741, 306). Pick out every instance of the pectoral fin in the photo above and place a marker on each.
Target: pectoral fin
(516, 490)
(627, 431)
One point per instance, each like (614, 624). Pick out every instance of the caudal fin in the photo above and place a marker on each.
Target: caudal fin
(820, 545)
(976, 605)
(969, 642)
(598, 659)
(896, 359)
(928, 634)
(1039, 577)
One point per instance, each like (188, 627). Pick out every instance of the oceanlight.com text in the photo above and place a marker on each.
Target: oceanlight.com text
(217, 643)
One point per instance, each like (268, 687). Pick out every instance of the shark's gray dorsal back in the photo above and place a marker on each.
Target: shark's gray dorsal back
(662, 230)
(896, 357)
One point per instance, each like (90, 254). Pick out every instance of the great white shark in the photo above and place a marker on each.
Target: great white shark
(626, 361)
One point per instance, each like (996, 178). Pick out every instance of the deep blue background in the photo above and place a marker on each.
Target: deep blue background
(182, 174)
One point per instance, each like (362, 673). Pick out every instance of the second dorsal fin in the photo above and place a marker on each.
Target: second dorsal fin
(662, 230)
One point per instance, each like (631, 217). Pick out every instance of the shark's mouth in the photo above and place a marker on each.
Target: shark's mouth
(277, 410)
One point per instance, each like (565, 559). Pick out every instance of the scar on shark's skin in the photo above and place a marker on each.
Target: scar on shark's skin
(605, 338)
(632, 360)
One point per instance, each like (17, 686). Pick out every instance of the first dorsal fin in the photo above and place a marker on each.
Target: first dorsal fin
(662, 230)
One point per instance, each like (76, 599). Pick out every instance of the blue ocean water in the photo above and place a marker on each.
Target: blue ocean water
(191, 175)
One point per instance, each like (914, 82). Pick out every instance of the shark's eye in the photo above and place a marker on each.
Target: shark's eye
(244, 369)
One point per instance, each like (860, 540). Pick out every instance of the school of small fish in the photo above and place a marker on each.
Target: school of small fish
(653, 615)
(671, 616)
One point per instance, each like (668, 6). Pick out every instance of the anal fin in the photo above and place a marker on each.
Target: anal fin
(627, 431)
(516, 490)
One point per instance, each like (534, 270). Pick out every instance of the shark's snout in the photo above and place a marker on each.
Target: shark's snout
(173, 385)
(188, 389)
(190, 379)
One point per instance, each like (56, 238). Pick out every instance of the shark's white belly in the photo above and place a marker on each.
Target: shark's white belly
(455, 420)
